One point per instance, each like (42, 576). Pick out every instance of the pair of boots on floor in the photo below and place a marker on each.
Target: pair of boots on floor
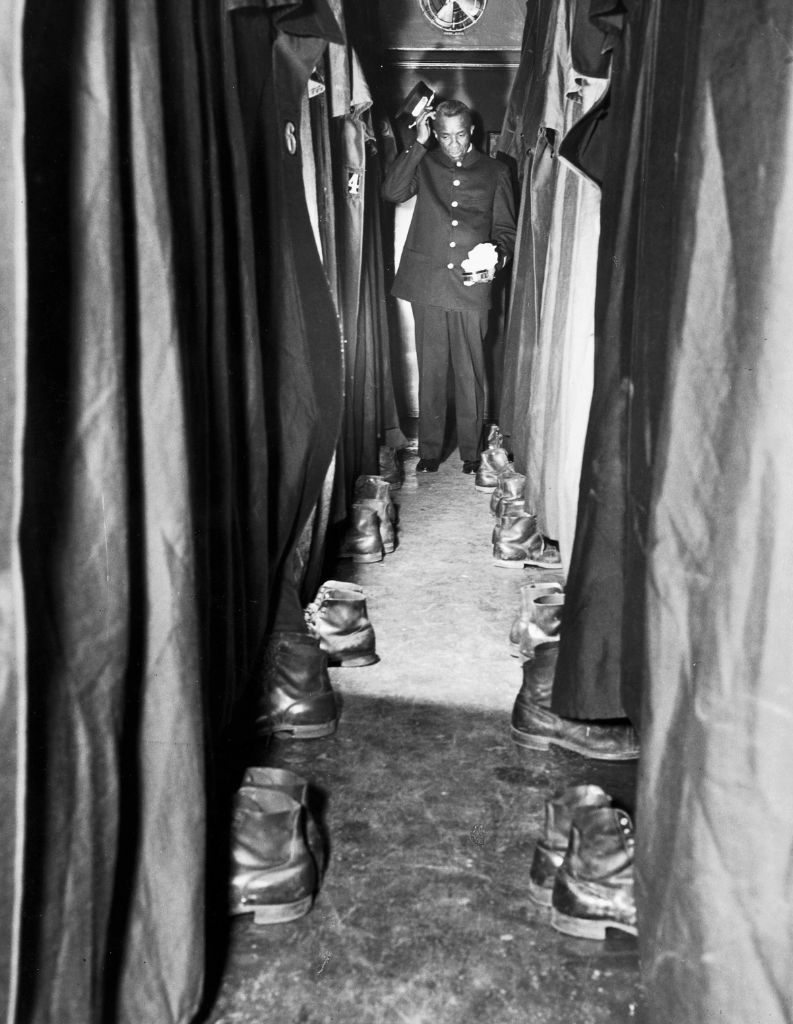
(296, 696)
(582, 867)
(371, 533)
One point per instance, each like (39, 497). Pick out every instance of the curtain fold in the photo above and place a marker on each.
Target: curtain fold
(13, 638)
(115, 856)
(601, 669)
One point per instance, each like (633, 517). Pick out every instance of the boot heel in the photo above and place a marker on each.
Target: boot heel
(586, 928)
(305, 730)
(580, 928)
(374, 556)
(529, 742)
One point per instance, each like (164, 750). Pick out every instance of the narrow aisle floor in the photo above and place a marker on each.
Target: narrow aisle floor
(423, 915)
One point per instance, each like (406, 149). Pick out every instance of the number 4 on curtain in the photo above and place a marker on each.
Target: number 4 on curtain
(354, 183)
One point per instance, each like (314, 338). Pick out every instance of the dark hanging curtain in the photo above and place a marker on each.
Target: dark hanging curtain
(115, 851)
(171, 400)
(371, 417)
(601, 656)
(275, 49)
(523, 140)
(715, 827)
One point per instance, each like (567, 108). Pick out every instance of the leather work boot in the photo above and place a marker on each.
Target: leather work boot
(535, 727)
(340, 623)
(511, 522)
(538, 673)
(593, 888)
(493, 462)
(551, 847)
(297, 697)
(273, 873)
(390, 467)
(385, 521)
(296, 787)
(375, 493)
(516, 543)
(545, 623)
(510, 484)
(516, 509)
(363, 541)
(377, 488)
(520, 639)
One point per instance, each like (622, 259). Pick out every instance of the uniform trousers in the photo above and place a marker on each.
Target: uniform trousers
(450, 340)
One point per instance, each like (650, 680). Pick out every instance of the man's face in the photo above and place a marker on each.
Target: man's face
(453, 135)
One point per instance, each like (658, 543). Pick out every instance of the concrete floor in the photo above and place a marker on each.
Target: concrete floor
(430, 816)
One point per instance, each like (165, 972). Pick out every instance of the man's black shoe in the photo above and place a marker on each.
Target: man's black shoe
(470, 465)
(428, 465)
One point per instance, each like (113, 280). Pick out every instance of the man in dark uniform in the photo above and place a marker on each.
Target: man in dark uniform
(464, 199)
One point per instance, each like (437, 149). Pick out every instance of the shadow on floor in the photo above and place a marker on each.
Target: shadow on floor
(423, 916)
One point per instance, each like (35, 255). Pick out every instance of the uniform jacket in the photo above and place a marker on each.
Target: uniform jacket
(459, 204)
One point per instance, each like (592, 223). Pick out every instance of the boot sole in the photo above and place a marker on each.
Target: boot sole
(312, 731)
(525, 741)
(277, 913)
(542, 897)
(503, 563)
(375, 556)
(483, 489)
(537, 564)
(355, 661)
(586, 928)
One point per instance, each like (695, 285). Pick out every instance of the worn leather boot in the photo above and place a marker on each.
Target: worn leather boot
(390, 467)
(509, 485)
(593, 888)
(297, 697)
(520, 639)
(551, 847)
(340, 623)
(363, 541)
(273, 873)
(375, 487)
(296, 787)
(385, 521)
(493, 462)
(374, 492)
(516, 543)
(538, 673)
(535, 727)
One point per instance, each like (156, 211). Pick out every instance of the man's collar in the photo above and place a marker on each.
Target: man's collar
(470, 157)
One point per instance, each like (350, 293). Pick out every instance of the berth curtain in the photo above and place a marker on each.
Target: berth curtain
(147, 390)
(715, 827)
